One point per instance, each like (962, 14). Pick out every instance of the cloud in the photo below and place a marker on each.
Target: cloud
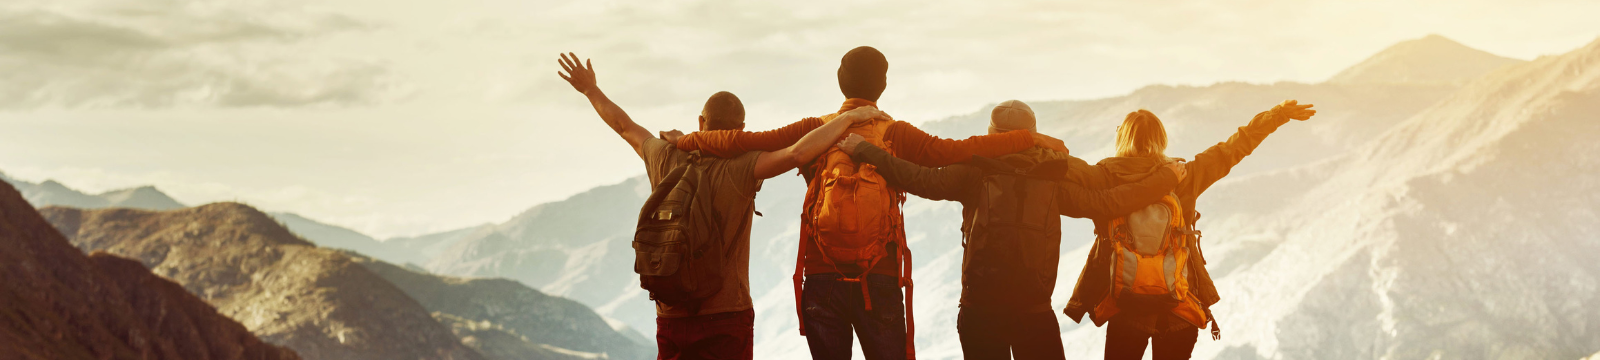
(167, 53)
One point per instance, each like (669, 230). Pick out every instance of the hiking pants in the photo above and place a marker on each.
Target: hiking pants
(833, 307)
(991, 334)
(729, 335)
(1126, 342)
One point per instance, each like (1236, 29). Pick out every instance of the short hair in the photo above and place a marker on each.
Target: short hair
(1142, 135)
(723, 111)
(863, 73)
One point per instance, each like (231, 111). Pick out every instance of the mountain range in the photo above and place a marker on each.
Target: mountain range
(59, 303)
(334, 304)
(50, 192)
(288, 291)
(1440, 205)
(578, 247)
(1467, 231)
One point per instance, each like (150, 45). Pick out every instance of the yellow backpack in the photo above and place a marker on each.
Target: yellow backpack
(1149, 263)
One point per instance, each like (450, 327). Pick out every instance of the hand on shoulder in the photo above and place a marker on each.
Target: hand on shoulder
(865, 114)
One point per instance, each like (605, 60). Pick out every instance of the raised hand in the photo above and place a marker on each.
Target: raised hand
(1293, 110)
(848, 145)
(581, 77)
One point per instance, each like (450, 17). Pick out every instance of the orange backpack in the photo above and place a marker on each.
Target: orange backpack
(854, 215)
(1149, 263)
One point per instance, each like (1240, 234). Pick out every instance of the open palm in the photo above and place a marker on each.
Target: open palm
(1294, 110)
(580, 76)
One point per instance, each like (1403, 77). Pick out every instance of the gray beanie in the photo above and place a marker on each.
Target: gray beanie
(1011, 115)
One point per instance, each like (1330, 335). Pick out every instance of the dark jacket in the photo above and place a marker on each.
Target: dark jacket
(963, 182)
(1206, 168)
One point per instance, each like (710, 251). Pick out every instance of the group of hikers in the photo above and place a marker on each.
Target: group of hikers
(1145, 273)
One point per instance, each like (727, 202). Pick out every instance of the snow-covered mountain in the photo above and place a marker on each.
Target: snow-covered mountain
(579, 247)
(1468, 231)
(1430, 60)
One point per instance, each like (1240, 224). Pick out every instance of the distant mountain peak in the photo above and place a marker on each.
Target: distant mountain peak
(52, 183)
(143, 197)
(1430, 60)
(53, 193)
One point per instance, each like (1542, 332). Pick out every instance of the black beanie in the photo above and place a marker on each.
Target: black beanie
(863, 73)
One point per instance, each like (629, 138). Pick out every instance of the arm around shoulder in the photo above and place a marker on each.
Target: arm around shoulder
(948, 183)
(1080, 202)
(813, 144)
(728, 143)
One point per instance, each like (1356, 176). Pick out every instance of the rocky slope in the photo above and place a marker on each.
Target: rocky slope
(316, 301)
(501, 316)
(419, 249)
(337, 237)
(58, 303)
(498, 342)
(1468, 231)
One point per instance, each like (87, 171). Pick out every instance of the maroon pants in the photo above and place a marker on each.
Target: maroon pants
(1123, 342)
(729, 335)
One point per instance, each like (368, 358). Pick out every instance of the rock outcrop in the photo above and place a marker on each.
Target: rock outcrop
(287, 291)
(57, 303)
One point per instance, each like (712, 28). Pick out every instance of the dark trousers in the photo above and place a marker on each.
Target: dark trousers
(1127, 342)
(991, 334)
(729, 335)
(833, 307)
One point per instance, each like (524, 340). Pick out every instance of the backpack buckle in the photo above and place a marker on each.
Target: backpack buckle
(663, 215)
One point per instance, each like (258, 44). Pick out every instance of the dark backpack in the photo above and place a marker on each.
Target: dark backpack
(678, 245)
(1013, 243)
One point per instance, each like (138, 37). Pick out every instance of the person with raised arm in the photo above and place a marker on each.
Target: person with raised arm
(698, 318)
(1124, 281)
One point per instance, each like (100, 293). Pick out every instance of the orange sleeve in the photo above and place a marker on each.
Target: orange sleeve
(918, 147)
(730, 143)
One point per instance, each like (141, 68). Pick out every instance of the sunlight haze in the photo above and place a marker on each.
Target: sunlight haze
(399, 119)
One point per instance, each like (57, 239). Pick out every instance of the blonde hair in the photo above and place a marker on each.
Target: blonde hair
(1142, 135)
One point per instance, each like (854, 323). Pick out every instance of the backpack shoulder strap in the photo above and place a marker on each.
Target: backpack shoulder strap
(657, 195)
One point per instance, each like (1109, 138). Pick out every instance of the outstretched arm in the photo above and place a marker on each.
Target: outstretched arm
(1213, 164)
(814, 143)
(730, 143)
(1080, 202)
(581, 76)
(947, 183)
(919, 147)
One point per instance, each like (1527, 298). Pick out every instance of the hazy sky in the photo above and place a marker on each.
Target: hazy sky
(403, 117)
